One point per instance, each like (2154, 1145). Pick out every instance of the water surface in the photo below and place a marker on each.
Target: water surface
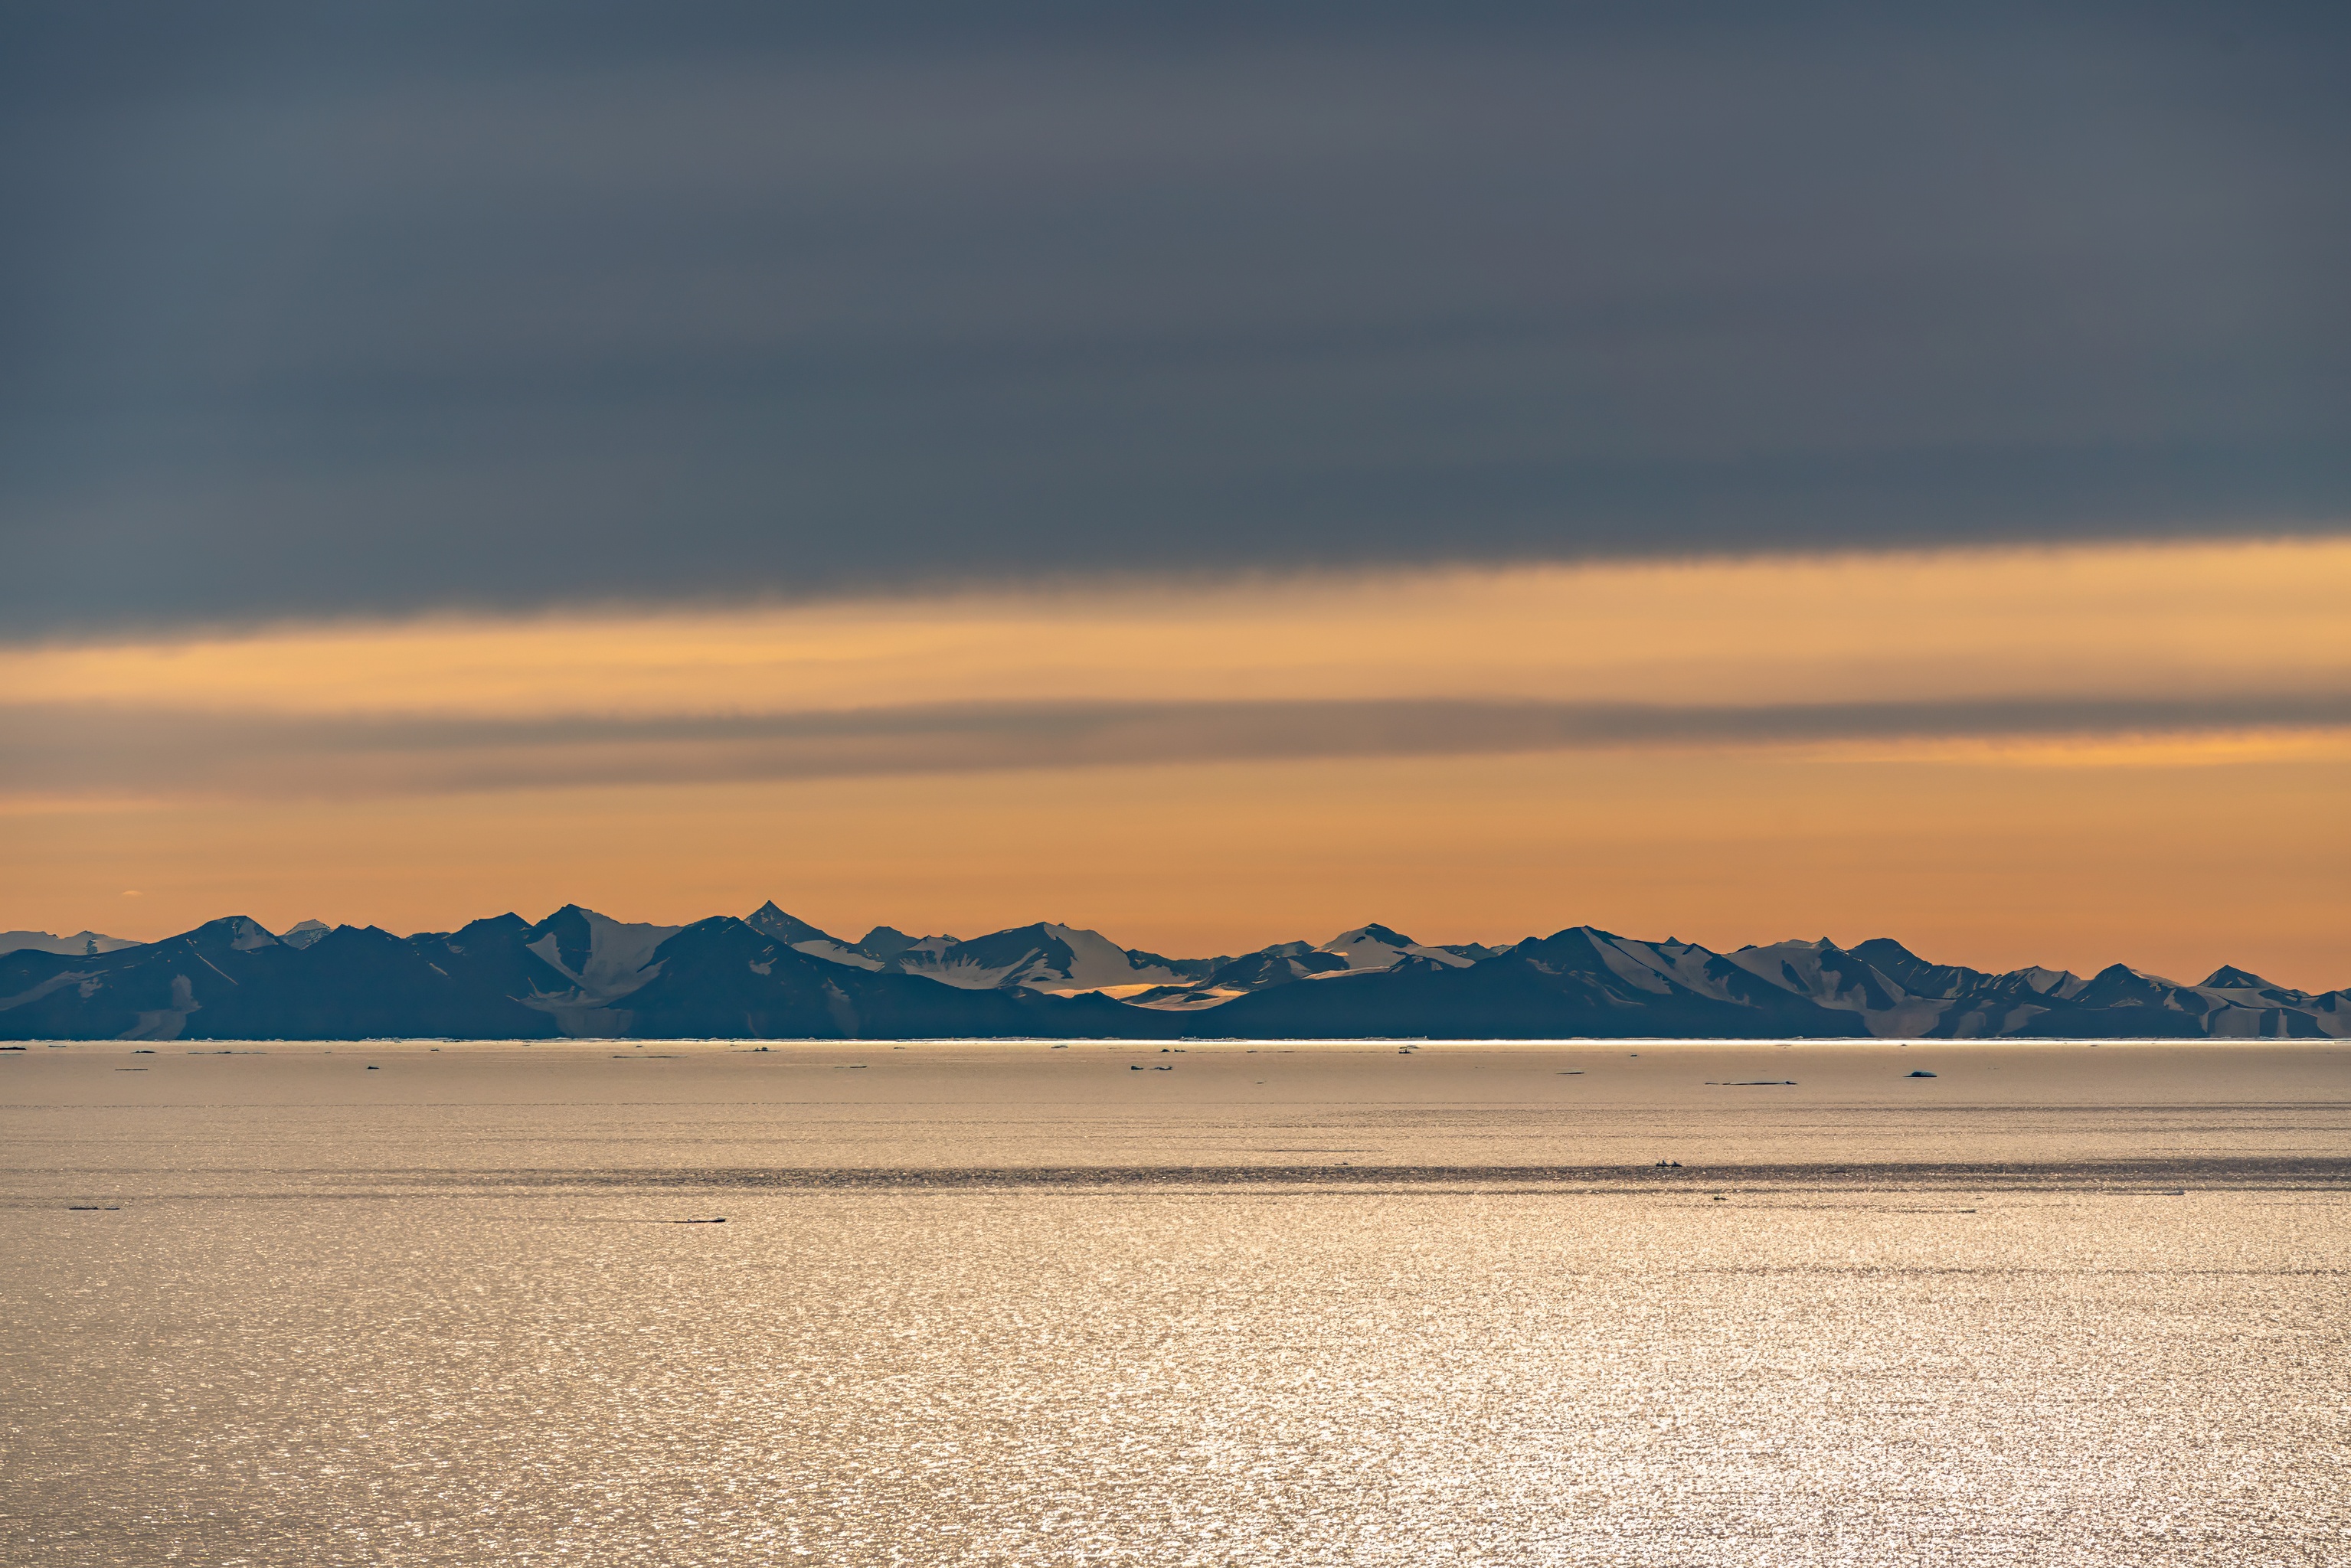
(1007, 1305)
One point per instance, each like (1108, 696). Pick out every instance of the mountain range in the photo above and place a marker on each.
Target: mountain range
(770, 976)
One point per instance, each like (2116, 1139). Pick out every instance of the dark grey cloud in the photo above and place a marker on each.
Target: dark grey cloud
(72, 749)
(315, 308)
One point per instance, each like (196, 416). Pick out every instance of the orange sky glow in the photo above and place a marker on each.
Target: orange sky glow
(1928, 790)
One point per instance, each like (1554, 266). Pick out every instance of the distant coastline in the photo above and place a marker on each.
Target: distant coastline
(770, 976)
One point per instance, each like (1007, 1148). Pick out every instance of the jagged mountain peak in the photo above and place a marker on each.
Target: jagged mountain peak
(786, 927)
(580, 973)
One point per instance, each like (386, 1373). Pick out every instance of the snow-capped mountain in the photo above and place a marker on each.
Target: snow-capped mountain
(799, 936)
(1277, 965)
(1040, 958)
(584, 974)
(604, 959)
(1366, 949)
(1377, 947)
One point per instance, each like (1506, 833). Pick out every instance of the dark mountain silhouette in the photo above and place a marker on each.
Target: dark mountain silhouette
(1043, 957)
(230, 979)
(773, 922)
(722, 979)
(1260, 970)
(1559, 986)
(581, 974)
(884, 941)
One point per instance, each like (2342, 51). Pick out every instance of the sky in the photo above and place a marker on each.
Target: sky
(1216, 474)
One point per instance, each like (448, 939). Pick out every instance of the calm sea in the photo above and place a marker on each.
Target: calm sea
(1006, 1303)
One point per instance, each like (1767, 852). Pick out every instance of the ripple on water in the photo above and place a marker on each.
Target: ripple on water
(1035, 1375)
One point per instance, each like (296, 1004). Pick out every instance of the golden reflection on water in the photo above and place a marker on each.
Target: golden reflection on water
(1179, 1377)
(291, 1366)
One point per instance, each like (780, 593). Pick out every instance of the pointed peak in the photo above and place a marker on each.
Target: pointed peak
(2228, 976)
(788, 927)
(304, 933)
(2049, 982)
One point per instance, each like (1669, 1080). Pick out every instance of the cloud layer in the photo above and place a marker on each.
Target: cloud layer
(67, 751)
(2093, 646)
(506, 305)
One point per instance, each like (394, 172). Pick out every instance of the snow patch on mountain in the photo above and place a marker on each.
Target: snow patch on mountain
(1378, 947)
(770, 921)
(586, 971)
(802, 937)
(1366, 950)
(248, 935)
(604, 957)
(1093, 961)
(1045, 957)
